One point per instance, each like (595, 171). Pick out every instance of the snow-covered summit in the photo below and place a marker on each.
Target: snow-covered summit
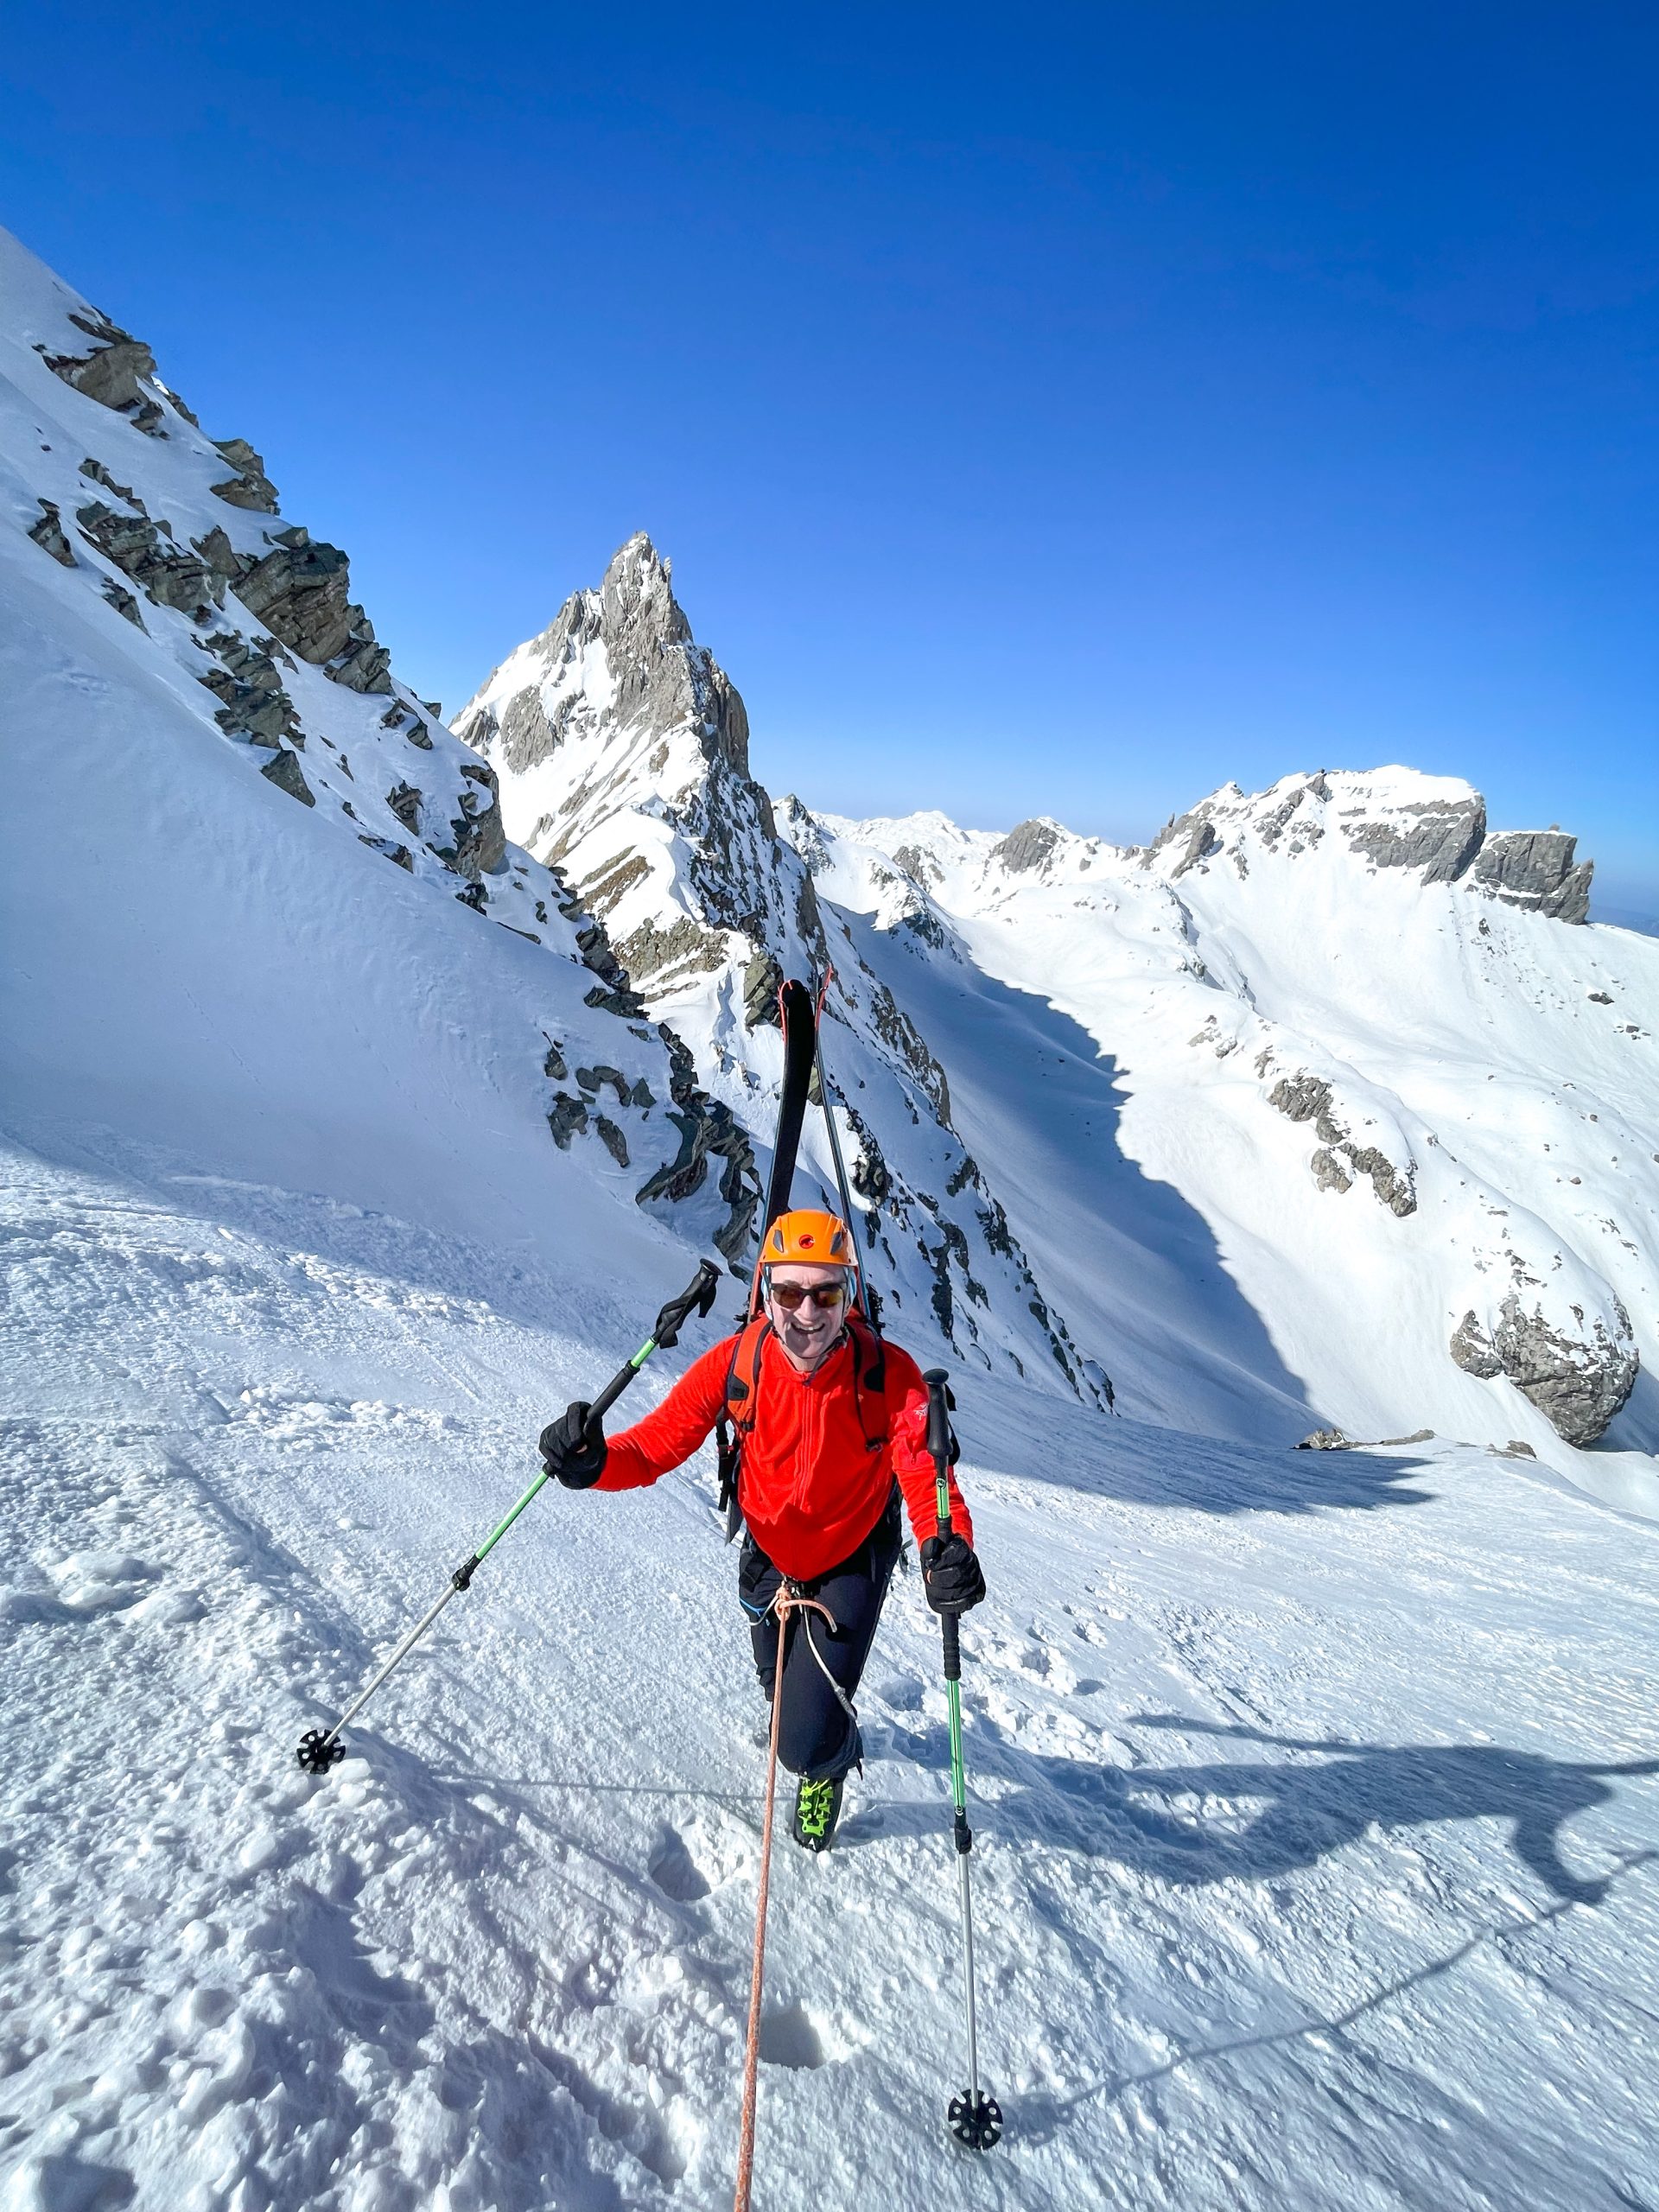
(1433, 827)
(622, 750)
(1346, 1022)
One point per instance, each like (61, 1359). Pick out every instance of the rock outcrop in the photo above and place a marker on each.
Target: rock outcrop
(1438, 837)
(114, 371)
(1577, 1383)
(250, 488)
(301, 591)
(1534, 869)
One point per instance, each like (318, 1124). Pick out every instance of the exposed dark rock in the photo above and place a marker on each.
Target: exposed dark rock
(300, 590)
(1194, 833)
(762, 981)
(1533, 868)
(1515, 1449)
(1301, 1097)
(166, 575)
(254, 703)
(555, 1064)
(1325, 1440)
(404, 800)
(399, 855)
(1027, 845)
(525, 734)
(1441, 837)
(113, 372)
(1329, 1173)
(285, 771)
(613, 1139)
(605, 890)
(250, 488)
(478, 844)
(922, 868)
(98, 474)
(708, 1131)
(1579, 1384)
(870, 1175)
(1307, 1098)
(624, 1004)
(590, 1079)
(1201, 842)
(123, 601)
(47, 530)
(651, 955)
(220, 555)
(567, 1117)
(900, 1034)
(641, 1094)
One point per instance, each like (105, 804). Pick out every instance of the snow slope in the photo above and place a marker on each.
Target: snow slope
(1311, 1110)
(1317, 1794)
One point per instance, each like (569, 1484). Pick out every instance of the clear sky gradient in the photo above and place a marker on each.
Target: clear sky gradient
(1048, 411)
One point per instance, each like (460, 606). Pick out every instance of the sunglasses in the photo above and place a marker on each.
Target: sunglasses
(792, 1295)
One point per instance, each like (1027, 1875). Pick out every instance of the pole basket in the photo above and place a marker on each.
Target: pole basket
(318, 1752)
(976, 2122)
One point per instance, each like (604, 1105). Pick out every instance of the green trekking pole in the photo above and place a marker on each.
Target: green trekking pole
(973, 2117)
(321, 1748)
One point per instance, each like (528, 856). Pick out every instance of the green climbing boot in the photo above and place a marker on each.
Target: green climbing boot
(818, 1808)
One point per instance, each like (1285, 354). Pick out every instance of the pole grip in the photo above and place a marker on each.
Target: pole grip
(949, 1629)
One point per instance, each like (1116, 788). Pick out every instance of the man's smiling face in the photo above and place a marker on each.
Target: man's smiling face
(798, 1304)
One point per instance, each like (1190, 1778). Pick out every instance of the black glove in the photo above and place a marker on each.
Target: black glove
(951, 1574)
(576, 1457)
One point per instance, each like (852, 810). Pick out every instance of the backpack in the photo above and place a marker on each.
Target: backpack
(736, 1416)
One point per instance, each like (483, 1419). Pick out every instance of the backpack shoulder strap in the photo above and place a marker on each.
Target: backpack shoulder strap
(871, 1352)
(738, 1405)
(869, 1373)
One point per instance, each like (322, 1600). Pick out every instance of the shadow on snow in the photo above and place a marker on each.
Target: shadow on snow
(1328, 1795)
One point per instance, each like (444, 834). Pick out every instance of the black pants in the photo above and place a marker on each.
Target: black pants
(817, 1736)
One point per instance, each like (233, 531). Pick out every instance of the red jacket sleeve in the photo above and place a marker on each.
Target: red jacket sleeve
(668, 1437)
(911, 1460)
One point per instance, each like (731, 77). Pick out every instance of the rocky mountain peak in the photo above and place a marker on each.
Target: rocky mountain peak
(1434, 827)
(616, 666)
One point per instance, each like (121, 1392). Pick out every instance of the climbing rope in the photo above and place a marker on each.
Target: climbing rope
(788, 1600)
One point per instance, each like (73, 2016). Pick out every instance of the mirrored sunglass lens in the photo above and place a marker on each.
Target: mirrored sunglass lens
(790, 1295)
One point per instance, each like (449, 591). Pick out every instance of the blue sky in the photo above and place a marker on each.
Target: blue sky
(1052, 410)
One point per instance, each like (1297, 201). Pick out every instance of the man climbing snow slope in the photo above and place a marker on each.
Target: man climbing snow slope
(823, 1426)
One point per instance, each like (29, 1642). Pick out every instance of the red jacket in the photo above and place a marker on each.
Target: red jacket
(812, 1488)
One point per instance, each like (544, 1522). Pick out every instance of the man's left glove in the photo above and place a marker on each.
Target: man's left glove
(951, 1574)
(570, 1452)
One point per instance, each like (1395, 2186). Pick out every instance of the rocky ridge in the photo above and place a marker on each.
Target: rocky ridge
(1251, 964)
(622, 751)
(248, 626)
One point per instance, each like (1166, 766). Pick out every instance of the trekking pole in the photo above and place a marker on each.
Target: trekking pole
(321, 1748)
(973, 2118)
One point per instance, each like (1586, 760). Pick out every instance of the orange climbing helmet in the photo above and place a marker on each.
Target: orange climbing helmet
(808, 1237)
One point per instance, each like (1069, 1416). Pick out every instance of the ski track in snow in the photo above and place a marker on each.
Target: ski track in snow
(1306, 1873)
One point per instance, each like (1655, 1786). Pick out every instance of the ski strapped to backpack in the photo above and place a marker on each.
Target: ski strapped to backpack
(800, 1017)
